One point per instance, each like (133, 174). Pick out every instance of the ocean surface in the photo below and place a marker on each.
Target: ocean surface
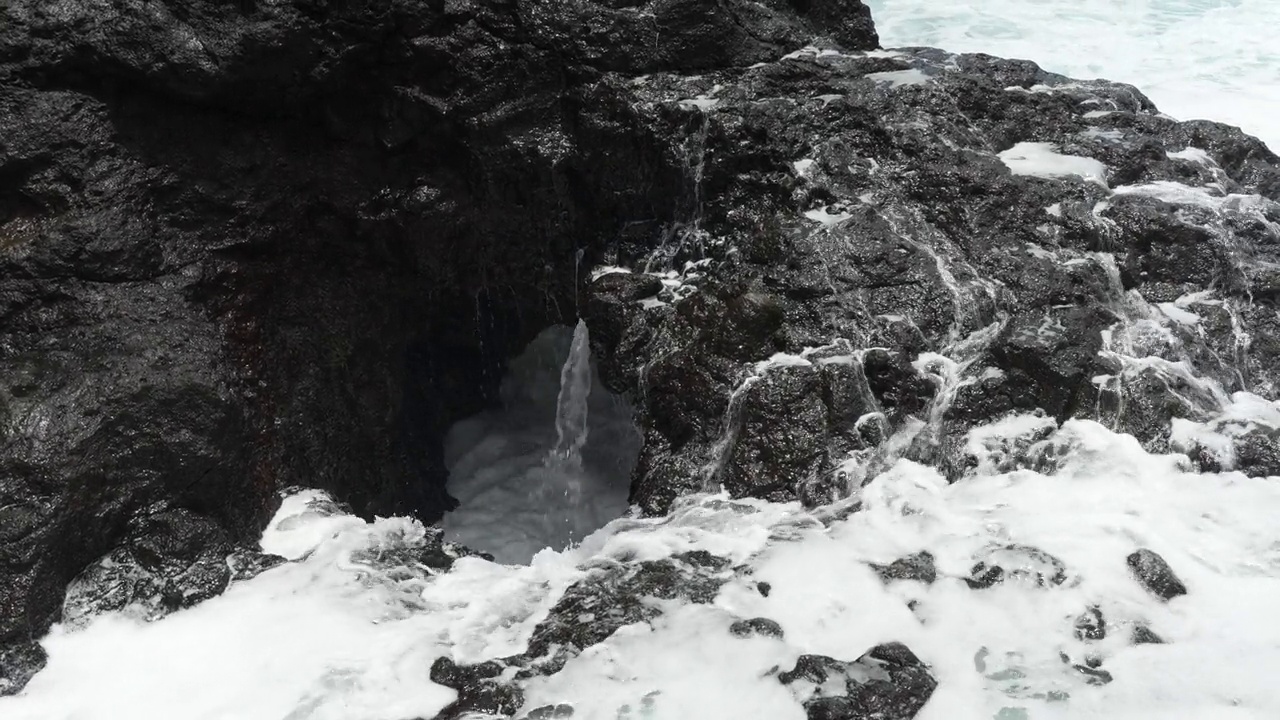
(1197, 59)
(344, 633)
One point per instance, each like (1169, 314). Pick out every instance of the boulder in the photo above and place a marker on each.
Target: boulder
(1154, 573)
(887, 683)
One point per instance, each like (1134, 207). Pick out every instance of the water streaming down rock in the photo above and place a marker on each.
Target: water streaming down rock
(1114, 264)
(571, 402)
(548, 467)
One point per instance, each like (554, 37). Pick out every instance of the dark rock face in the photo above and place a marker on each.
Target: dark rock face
(887, 683)
(250, 245)
(862, 219)
(179, 561)
(19, 662)
(1143, 635)
(756, 626)
(1155, 574)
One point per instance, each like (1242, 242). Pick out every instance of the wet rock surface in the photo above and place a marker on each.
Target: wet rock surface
(1017, 563)
(19, 662)
(250, 245)
(1150, 569)
(919, 567)
(892, 207)
(756, 626)
(588, 613)
(1143, 635)
(1091, 625)
(889, 682)
(177, 562)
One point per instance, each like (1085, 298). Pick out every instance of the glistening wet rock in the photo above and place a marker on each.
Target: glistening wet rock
(480, 689)
(609, 598)
(919, 566)
(1143, 635)
(1154, 573)
(589, 612)
(887, 683)
(175, 560)
(756, 626)
(299, 254)
(1018, 563)
(1091, 625)
(19, 662)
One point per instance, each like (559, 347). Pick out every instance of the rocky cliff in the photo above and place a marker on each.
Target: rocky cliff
(252, 244)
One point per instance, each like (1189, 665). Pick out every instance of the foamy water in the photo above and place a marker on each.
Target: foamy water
(1207, 59)
(337, 635)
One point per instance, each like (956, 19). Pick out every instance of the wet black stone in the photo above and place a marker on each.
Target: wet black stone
(887, 683)
(19, 663)
(1154, 573)
(756, 626)
(174, 559)
(550, 712)
(919, 566)
(764, 588)
(983, 576)
(247, 563)
(1094, 675)
(480, 691)
(594, 608)
(1017, 562)
(1091, 625)
(1143, 635)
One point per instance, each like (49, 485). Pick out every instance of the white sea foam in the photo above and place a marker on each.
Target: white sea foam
(333, 635)
(1194, 155)
(1043, 160)
(826, 217)
(1211, 59)
(898, 78)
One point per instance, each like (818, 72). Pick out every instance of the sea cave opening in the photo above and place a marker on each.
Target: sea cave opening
(551, 463)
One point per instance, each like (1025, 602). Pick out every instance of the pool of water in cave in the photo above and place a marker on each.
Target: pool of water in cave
(551, 464)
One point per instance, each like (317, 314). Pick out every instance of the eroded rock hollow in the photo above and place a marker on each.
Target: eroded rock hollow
(248, 245)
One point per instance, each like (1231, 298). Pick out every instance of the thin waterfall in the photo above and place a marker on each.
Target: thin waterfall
(571, 404)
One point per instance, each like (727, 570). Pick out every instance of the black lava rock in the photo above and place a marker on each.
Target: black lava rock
(888, 683)
(756, 626)
(19, 662)
(1143, 635)
(480, 690)
(1155, 574)
(919, 566)
(250, 245)
(1091, 625)
(1017, 562)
